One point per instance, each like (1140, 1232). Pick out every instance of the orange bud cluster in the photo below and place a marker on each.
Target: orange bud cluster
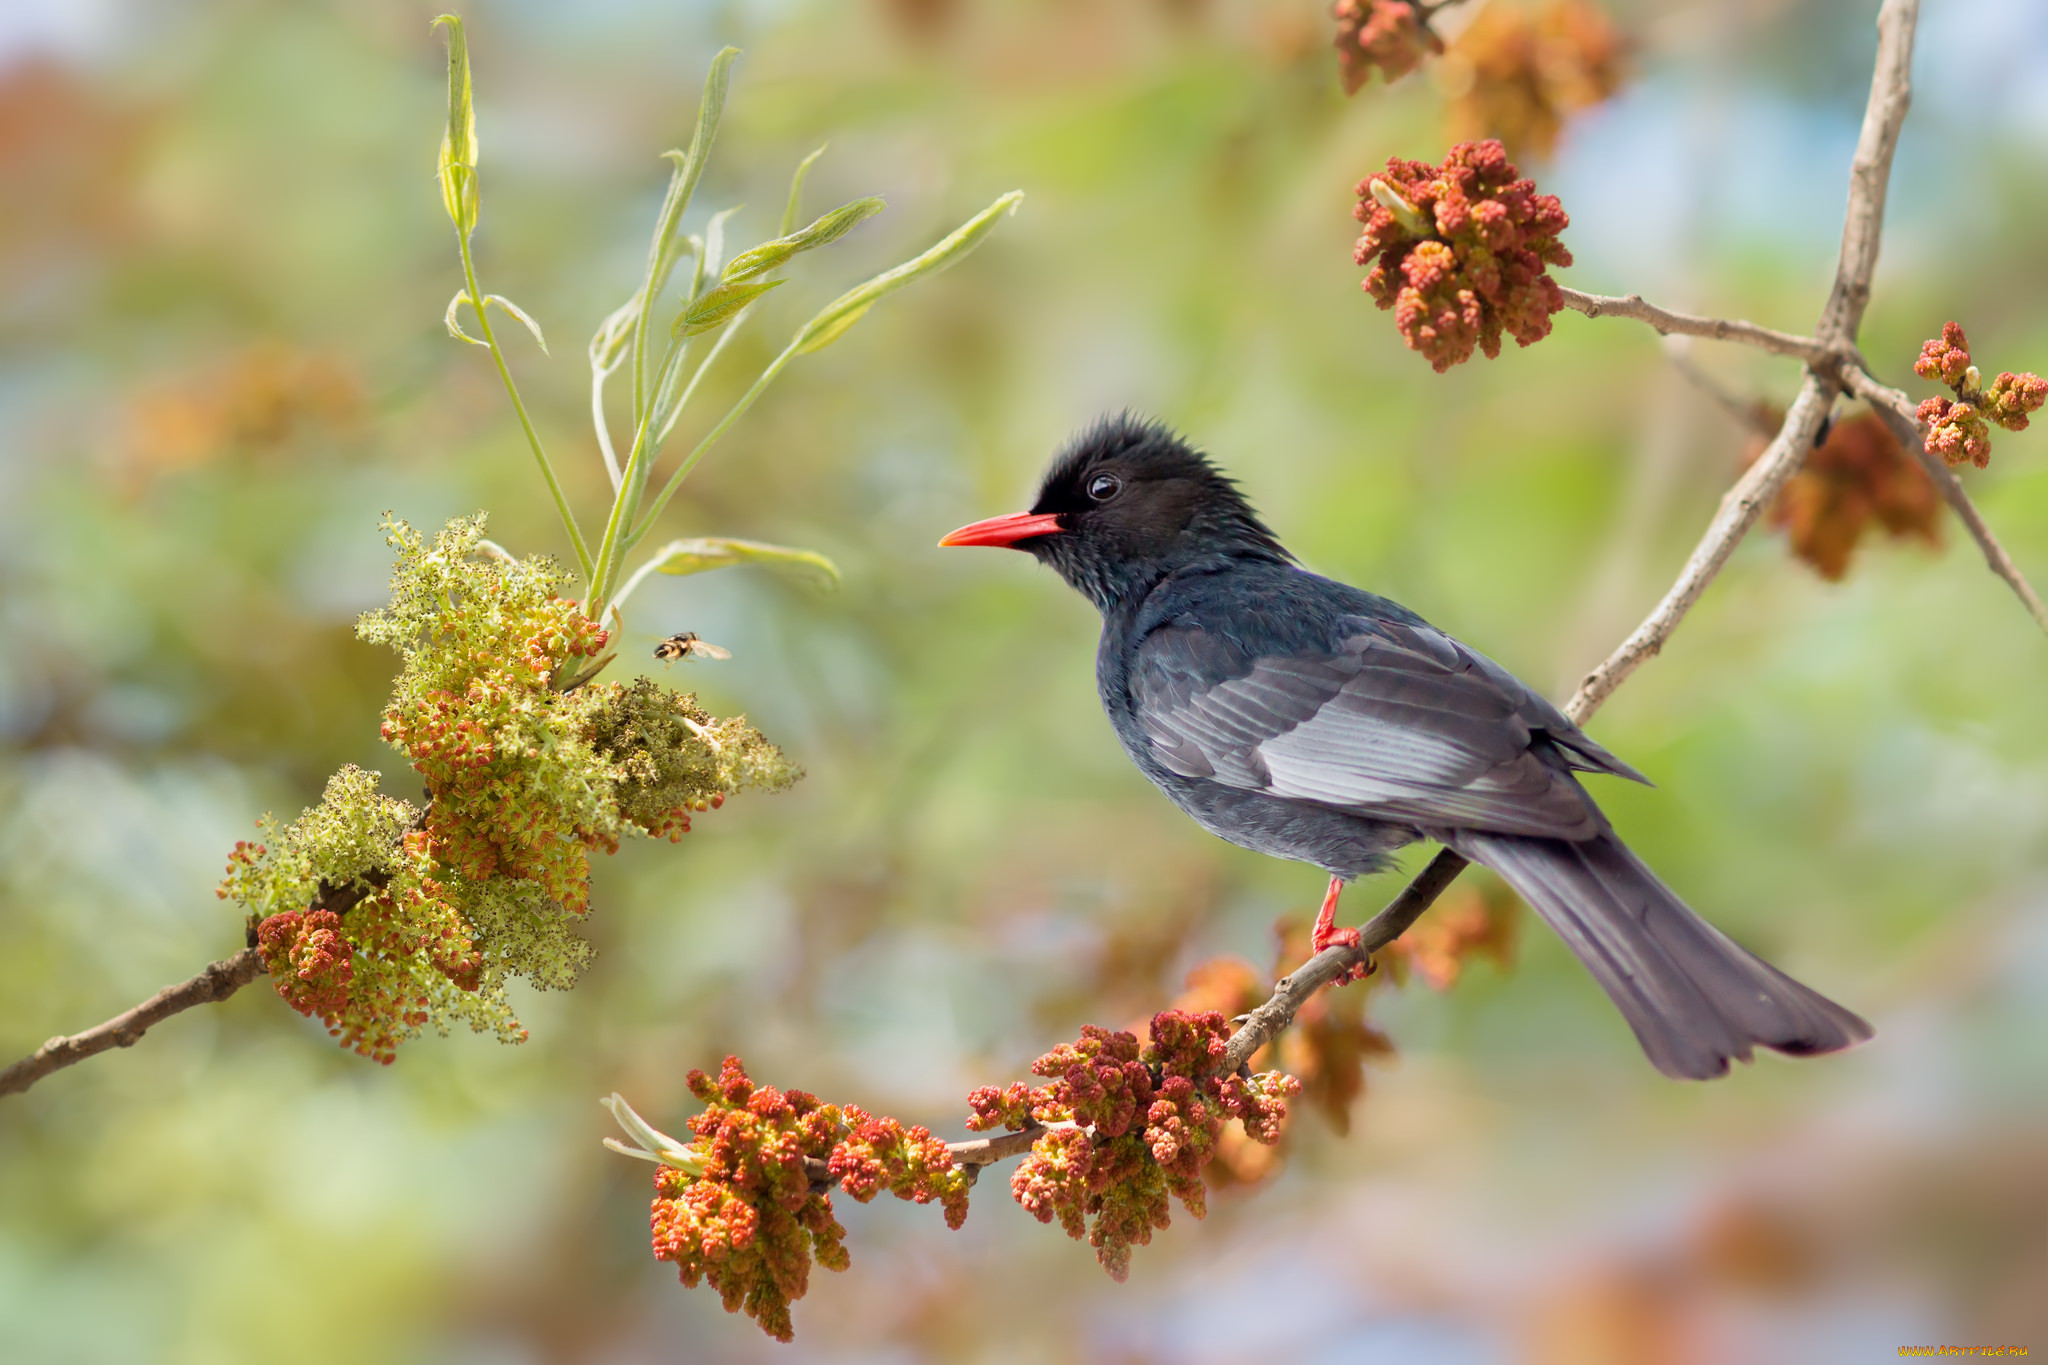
(1145, 1120)
(752, 1219)
(1959, 429)
(881, 1154)
(1388, 36)
(1461, 252)
(308, 960)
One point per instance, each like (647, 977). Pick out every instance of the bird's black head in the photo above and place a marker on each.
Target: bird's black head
(1125, 504)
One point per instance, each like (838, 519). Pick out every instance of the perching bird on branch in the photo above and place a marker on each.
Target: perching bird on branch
(1310, 720)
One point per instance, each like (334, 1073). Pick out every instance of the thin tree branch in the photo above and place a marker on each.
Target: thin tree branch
(1898, 412)
(1870, 173)
(1752, 493)
(1667, 322)
(1292, 991)
(219, 981)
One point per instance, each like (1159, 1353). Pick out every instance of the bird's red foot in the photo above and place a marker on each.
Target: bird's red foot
(1328, 935)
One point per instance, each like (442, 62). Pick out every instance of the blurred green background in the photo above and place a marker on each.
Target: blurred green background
(223, 262)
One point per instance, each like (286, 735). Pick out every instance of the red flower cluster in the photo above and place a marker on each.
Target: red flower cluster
(880, 1153)
(754, 1219)
(751, 1223)
(1145, 1118)
(1946, 359)
(1387, 35)
(1461, 252)
(1956, 428)
(308, 960)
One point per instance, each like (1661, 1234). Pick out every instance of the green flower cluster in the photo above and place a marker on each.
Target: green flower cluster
(379, 918)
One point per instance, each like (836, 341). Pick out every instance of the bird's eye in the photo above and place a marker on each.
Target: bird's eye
(1103, 487)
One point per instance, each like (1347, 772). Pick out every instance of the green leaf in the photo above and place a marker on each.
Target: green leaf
(516, 311)
(689, 169)
(458, 144)
(796, 192)
(608, 345)
(827, 229)
(703, 554)
(836, 317)
(713, 250)
(717, 306)
(449, 319)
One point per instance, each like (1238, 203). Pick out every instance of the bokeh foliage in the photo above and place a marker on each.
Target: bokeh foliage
(224, 359)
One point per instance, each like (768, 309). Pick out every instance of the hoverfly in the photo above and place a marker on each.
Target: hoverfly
(688, 646)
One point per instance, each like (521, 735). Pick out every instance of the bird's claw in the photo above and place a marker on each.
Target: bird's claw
(1327, 935)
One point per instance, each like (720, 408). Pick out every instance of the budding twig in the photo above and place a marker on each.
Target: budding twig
(1899, 414)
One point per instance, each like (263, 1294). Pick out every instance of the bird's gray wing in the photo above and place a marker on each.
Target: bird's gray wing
(1395, 722)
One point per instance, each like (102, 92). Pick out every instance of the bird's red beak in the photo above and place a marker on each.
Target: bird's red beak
(1006, 530)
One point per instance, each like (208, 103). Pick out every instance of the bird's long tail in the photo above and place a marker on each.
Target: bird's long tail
(1693, 996)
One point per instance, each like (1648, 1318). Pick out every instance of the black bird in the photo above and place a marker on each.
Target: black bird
(1310, 720)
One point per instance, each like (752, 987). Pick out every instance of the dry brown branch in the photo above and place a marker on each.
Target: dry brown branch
(219, 981)
(1899, 413)
(1870, 173)
(1687, 324)
(1744, 503)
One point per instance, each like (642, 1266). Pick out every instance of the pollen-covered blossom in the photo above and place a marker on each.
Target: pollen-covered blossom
(1960, 429)
(307, 957)
(1137, 1124)
(2012, 397)
(433, 911)
(879, 1154)
(751, 1223)
(1461, 252)
(1946, 360)
(1956, 431)
(1384, 35)
(752, 1217)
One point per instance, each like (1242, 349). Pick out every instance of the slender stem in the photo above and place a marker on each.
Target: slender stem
(547, 470)
(690, 390)
(738, 409)
(625, 591)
